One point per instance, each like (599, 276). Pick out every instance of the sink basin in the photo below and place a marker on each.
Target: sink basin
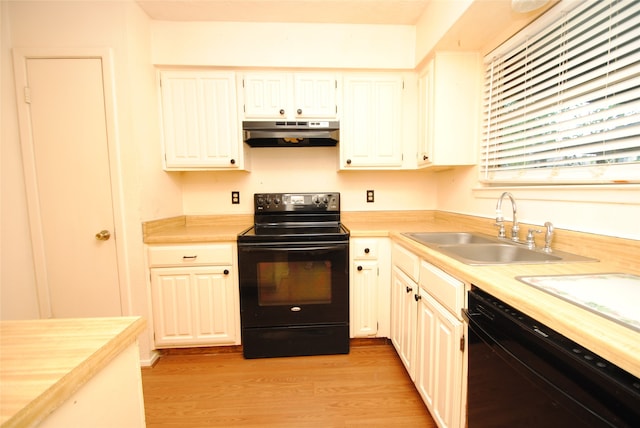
(478, 249)
(496, 254)
(449, 238)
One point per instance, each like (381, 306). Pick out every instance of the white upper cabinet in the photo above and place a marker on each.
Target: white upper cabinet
(371, 127)
(290, 96)
(200, 122)
(449, 110)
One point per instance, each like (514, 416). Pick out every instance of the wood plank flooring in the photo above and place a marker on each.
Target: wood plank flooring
(366, 388)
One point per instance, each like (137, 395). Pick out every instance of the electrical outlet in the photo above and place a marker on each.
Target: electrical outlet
(235, 197)
(370, 196)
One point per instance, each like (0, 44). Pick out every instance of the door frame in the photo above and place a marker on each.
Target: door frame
(20, 58)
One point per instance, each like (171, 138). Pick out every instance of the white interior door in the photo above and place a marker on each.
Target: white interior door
(66, 157)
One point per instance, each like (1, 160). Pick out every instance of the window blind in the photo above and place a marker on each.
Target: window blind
(562, 98)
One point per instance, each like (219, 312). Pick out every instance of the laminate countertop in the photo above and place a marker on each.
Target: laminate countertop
(610, 340)
(43, 362)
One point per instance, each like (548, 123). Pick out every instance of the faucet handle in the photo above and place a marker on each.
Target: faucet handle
(531, 242)
(501, 231)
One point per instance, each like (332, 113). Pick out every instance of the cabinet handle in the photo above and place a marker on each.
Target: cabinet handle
(366, 250)
(425, 157)
(299, 111)
(359, 267)
(348, 161)
(233, 161)
(417, 297)
(282, 111)
(409, 289)
(189, 257)
(226, 271)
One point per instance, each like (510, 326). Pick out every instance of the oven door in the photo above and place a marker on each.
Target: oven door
(288, 284)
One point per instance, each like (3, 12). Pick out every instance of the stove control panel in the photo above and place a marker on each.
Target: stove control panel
(299, 202)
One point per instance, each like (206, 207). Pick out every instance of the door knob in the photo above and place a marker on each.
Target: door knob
(103, 235)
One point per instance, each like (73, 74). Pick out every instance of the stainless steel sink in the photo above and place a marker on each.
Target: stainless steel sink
(448, 238)
(495, 254)
(479, 249)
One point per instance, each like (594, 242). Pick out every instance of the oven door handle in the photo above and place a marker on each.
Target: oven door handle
(289, 248)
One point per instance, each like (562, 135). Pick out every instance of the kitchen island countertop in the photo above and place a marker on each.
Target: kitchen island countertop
(43, 362)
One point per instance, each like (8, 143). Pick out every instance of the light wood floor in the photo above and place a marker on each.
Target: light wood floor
(366, 388)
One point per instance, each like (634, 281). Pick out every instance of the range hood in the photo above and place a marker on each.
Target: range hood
(291, 133)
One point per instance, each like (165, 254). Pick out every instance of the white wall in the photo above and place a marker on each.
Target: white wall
(18, 297)
(252, 44)
(434, 23)
(305, 169)
(605, 210)
(143, 190)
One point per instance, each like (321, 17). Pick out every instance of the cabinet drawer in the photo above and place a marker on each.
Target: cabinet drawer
(443, 287)
(408, 262)
(191, 255)
(364, 248)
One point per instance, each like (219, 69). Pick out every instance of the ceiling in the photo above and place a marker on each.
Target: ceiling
(382, 12)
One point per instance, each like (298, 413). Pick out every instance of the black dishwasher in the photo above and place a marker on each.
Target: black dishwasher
(524, 374)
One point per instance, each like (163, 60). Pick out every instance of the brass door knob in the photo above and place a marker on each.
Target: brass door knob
(103, 235)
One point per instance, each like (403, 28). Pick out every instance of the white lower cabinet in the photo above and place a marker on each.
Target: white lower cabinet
(439, 361)
(369, 287)
(194, 294)
(403, 318)
(427, 332)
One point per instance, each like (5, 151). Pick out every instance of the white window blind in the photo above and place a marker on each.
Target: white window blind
(562, 98)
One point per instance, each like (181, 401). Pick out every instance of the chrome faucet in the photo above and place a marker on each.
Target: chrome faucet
(548, 235)
(515, 227)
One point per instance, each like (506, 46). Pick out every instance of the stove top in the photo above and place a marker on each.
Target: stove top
(281, 217)
(272, 233)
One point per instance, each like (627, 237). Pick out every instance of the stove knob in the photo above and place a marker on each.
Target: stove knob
(276, 201)
(260, 201)
(316, 200)
(325, 200)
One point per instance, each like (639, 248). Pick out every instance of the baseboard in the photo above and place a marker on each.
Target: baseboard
(237, 349)
(155, 356)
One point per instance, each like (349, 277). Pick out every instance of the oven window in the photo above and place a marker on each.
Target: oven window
(294, 282)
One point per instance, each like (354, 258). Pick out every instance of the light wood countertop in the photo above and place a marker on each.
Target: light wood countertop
(618, 344)
(191, 229)
(43, 362)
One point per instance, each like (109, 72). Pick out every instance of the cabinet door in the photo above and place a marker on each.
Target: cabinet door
(426, 350)
(449, 106)
(266, 95)
(447, 405)
(315, 95)
(172, 309)
(194, 306)
(403, 318)
(425, 116)
(364, 298)
(200, 124)
(371, 132)
(214, 306)
(439, 362)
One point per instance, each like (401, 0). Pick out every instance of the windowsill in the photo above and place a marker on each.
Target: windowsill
(617, 193)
